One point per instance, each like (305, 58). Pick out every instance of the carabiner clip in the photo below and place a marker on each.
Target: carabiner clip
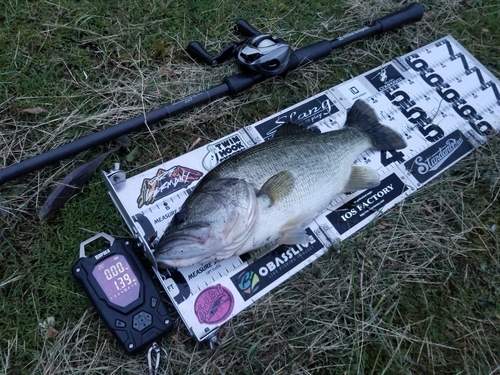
(154, 363)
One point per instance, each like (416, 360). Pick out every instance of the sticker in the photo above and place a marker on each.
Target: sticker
(273, 265)
(305, 115)
(165, 183)
(248, 283)
(220, 151)
(214, 305)
(366, 203)
(384, 77)
(438, 157)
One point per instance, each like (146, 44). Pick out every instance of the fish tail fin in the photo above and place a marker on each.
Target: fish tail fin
(362, 117)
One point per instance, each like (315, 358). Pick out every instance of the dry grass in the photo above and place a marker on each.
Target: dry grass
(415, 293)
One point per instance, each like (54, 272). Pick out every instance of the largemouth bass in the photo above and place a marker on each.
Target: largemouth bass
(267, 193)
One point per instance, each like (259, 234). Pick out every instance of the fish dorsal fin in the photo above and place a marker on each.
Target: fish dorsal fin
(361, 178)
(278, 186)
(362, 117)
(290, 128)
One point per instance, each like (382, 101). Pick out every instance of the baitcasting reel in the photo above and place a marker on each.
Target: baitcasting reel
(261, 53)
(265, 54)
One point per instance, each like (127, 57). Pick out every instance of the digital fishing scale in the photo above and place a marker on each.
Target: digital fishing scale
(123, 293)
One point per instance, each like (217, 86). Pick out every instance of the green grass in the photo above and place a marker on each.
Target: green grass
(416, 292)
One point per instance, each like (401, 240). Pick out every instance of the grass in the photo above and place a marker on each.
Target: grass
(417, 292)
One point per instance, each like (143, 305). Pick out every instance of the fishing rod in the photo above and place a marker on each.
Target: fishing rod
(262, 56)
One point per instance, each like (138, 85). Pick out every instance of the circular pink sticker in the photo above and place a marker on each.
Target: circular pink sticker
(214, 304)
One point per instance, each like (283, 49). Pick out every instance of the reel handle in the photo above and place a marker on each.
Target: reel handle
(245, 29)
(197, 51)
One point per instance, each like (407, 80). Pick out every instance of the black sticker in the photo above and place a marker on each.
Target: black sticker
(439, 156)
(304, 115)
(384, 77)
(273, 265)
(362, 206)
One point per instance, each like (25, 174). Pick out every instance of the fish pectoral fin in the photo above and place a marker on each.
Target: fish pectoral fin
(361, 178)
(278, 186)
(294, 236)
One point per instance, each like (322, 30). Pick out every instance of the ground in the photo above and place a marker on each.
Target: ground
(416, 292)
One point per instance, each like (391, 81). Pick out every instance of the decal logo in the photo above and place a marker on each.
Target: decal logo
(248, 282)
(363, 205)
(438, 157)
(214, 305)
(165, 183)
(384, 77)
(304, 115)
(220, 151)
(264, 271)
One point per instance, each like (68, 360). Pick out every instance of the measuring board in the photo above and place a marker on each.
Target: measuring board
(439, 98)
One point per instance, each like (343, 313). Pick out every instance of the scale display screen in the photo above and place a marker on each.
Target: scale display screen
(117, 280)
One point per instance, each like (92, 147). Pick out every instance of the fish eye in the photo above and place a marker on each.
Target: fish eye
(179, 217)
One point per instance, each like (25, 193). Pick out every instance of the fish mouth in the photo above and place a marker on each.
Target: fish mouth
(184, 238)
(180, 239)
(182, 249)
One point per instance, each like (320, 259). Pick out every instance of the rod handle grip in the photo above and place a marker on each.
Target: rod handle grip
(412, 13)
(313, 52)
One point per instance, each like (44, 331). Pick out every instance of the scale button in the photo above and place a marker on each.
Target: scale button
(154, 302)
(162, 310)
(142, 320)
(120, 324)
(122, 335)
